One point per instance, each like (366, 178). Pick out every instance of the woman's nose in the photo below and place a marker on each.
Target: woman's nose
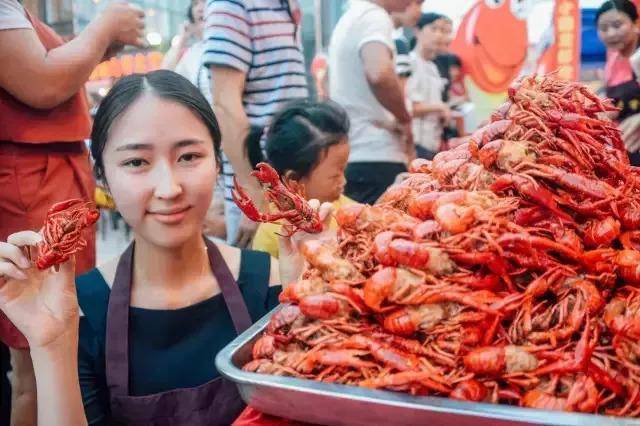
(610, 33)
(167, 184)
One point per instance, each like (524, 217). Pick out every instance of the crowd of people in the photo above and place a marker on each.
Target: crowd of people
(133, 340)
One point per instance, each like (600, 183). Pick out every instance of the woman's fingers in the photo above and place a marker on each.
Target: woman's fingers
(324, 210)
(314, 203)
(28, 240)
(9, 270)
(12, 254)
(24, 238)
(326, 213)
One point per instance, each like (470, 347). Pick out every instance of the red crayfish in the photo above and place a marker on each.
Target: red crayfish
(291, 205)
(62, 232)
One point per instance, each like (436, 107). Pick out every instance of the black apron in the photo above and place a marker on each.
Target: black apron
(214, 403)
(626, 96)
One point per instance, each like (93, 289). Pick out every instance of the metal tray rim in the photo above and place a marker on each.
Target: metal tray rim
(225, 366)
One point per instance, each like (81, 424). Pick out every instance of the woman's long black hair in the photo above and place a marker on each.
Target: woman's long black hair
(162, 83)
(625, 6)
(298, 136)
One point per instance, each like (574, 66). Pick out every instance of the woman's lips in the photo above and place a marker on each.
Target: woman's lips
(171, 217)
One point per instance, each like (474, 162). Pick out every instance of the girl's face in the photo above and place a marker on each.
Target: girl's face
(454, 72)
(446, 34)
(326, 181)
(432, 37)
(160, 166)
(616, 30)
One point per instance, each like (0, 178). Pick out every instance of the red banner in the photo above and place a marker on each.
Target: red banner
(564, 54)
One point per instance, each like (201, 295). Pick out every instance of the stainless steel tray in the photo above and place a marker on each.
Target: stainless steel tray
(332, 404)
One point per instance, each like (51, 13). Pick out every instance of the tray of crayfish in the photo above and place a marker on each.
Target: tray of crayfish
(317, 402)
(497, 284)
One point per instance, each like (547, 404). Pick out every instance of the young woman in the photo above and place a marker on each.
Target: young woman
(617, 28)
(142, 351)
(307, 144)
(425, 86)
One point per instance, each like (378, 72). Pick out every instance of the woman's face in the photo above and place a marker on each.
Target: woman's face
(160, 166)
(326, 181)
(616, 30)
(197, 9)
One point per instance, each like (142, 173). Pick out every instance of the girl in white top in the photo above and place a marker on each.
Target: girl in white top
(425, 87)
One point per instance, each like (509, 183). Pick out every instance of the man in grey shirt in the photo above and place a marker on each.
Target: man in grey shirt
(363, 80)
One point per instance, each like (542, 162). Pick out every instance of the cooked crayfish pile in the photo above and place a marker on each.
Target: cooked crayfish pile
(506, 270)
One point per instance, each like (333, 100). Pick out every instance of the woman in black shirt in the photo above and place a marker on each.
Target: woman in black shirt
(152, 321)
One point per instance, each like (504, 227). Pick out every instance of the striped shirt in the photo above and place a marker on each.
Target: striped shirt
(261, 38)
(403, 61)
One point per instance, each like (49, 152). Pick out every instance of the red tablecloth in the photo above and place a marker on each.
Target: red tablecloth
(251, 417)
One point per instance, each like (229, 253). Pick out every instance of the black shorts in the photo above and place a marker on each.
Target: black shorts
(367, 181)
(422, 152)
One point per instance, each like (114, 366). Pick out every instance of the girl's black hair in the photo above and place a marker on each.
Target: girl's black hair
(429, 18)
(298, 136)
(162, 83)
(625, 6)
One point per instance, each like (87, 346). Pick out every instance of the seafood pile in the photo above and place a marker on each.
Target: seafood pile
(506, 270)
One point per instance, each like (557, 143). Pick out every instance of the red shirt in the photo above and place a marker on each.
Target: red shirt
(67, 122)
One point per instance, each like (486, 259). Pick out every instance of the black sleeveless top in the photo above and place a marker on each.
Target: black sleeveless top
(169, 349)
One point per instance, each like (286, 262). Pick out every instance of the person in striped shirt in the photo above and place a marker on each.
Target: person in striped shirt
(254, 52)
(402, 20)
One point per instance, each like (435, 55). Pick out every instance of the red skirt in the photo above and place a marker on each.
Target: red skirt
(32, 178)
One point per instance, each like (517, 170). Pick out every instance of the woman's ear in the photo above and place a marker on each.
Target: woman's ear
(290, 176)
(292, 181)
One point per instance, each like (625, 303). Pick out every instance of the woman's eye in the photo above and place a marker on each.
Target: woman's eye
(192, 156)
(134, 163)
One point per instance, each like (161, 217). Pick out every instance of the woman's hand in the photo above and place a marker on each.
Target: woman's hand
(291, 261)
(124, 23)
(42, 304)
(630, 128)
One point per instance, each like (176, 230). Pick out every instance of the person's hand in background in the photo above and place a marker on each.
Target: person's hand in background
(630, 128)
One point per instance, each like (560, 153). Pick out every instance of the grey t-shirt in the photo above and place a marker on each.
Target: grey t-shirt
(12, 16)
(370, 138)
